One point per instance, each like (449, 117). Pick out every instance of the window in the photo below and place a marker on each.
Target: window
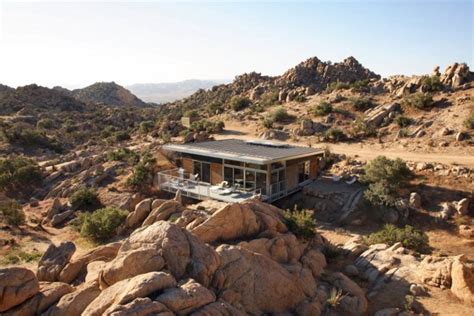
(202, 170)
(303, 171)
(233, 162)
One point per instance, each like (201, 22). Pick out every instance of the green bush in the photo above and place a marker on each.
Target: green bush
(469, 122)
(384, 178)
(107, 131)
(334, 135)
(410, 238)
(120, 136)
(403, 121)
(268, 122)
(280, 115)
(101, 225)
(84, 198)
(191, 113)
(362, 104)
(431, 83)
(356, 85)
(27, 137)
(300, 98)
(419, 100)
(123, 154)
(269, 98)
(142, 172)
(239, 103)
(301, 223)
(207, 126)
(11, 213)
(146, 127)
(361, 128)
(322, 109)
(19, 174)
(215, 108)
(45, 123)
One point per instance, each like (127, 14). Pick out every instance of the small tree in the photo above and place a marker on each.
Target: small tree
(362, 104)
(431, 83)
(280, 115)
(301, 223)
(11, 213)
(84, 198)
(334, 135)
(238, 103)
(102, 224)
(322, 109)
(419, 100)
(19, 174)
(142, 171)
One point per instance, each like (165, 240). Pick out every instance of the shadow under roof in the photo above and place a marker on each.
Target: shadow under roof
(252, 151)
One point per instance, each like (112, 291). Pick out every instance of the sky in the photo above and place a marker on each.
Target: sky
(74, 44)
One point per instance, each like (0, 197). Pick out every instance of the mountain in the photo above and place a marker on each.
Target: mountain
(170, 91)
(32, 98)
(108, 93)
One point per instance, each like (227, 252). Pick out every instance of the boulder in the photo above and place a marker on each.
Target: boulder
(417, 290)
(141, 211)
(48, 295)
(72, 304)
(60, 218)
(129, 264)
(257, 283)
(415, 200)
(16, 286)
(462, 275)
(460, 136)
(186, 298)
(466, 231)
(77, 266)
(462, 207)
(354, 302)
(219, 308)
(163, 212)
(447, 210)
(435, 271)
(240, 221)
(127, 290)
(351, 270)
(390, 216)
(183, 253)
(53, 261)
(142, 306)
(275, 134)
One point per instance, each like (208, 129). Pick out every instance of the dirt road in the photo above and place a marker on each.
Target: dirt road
(362, 151)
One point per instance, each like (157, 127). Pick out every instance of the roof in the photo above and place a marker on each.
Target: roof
(259, 151)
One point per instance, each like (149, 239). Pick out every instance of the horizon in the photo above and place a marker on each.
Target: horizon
(76, 44)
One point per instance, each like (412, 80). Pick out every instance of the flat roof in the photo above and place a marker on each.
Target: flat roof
(251, 151)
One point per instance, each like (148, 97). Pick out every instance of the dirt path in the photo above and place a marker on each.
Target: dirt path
(362, 151)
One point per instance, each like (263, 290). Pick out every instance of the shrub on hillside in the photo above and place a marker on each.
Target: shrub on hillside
(191, 113)
(268, 122)
(215, 108)
(361, 128)
(280, 115)
(469, 122)
(11, 213)
(121, 136)
(384, 178)
(19, 174)
(322, 109)
(300, 98)
(45, 123)
(239, 103)
(403, 121)
(419, 100)
(146, 127)
(362, 104)
(84, 198)
(410, 237)
(300, 222)
(269, 98)
(207, 126)
(142, 172)
(334, 135)
(101, 225)
(431, 83)
(123, 154)
(358, 85)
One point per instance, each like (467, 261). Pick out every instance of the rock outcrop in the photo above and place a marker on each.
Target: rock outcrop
(16, 286)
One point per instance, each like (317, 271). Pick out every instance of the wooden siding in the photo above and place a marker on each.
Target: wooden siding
(216, 173)
(187, 165)
(313, 167)
(292, 176)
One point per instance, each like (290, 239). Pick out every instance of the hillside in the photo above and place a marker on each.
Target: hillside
(108, 93)
(169, 91)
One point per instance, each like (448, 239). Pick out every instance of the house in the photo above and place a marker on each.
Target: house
(232, 170)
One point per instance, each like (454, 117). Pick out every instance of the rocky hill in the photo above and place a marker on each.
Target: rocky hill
(107, 93)
(33, 98)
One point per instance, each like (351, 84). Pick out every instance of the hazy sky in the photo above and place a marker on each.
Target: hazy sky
(78, 43)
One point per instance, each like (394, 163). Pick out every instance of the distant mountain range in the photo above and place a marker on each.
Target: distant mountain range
(171, 91)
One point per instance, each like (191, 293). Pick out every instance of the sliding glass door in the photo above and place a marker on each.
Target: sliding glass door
(202, 170)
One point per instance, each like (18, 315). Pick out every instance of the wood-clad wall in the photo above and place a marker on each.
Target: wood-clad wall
(313, 167)
(187, 165)
(216, 173)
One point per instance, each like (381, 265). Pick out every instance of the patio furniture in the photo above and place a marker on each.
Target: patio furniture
(336, 178)
(352, 180)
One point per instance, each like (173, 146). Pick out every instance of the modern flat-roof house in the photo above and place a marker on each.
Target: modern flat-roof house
(232, 170)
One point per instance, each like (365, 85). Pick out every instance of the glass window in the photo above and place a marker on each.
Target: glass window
(277, 165)
(249, 179)
(206, 173)
(197, 168)
(233, 162)
(229, 175)
(239, 177)
(255, 166)
(262, 182)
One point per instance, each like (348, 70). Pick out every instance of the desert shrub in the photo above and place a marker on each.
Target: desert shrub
(322, 109)
(11, 213)
(300, 98)
(361, 104)
(469, 121)
(215, 108)
(356, 85)
(334, 135)
(329, 158)
(146, 127)
(45, 123)
(384, 178)
(269, 98)
(431, 83)
(335, 297)
(300, 222)
(107, 131)
(84, 198)
(268, 122)
(361, 128)
(102, 224)
(27, 137)
(403, 121)
(280, 115)
(419, 100)
(121, 136)
(239, 103)
(142, 172)
(331, 251)
(410, 237)
(18, 174)
(191, 113)
(123, 154)
(207, 126)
